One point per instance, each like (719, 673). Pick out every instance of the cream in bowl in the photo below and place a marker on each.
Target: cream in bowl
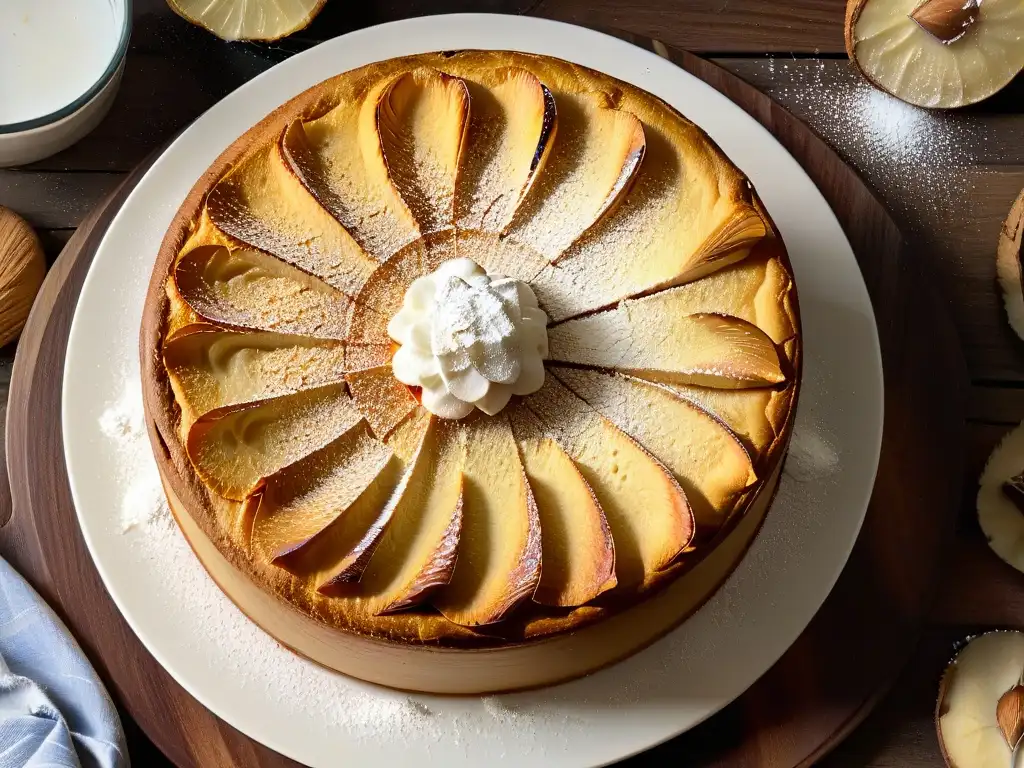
(60, 66)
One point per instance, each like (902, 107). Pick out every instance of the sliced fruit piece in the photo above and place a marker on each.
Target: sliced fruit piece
(578, 553)
(422, 118)
(702, 453)
(754, 415)
(499, 560)
(978, 715)
(499, 255)
(249, 19)
(234, 448)
(643, 339)
(597, 153)
(334, 555)
(999, 512)
(337, 157)
(647, 510)
(512, 129)
(263, 204)
(672, 233)
(252, 289)
(303, 499)
(210, 367)
(1009, 266)
(418, 550)
(937, 53)
(359, 357)
(381, 398)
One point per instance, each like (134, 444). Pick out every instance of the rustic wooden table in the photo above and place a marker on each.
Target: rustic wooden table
(949, 180)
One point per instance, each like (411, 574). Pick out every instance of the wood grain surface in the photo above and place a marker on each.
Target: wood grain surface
(791, 717)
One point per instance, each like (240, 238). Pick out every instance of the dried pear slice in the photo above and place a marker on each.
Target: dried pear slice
(337, 158)
(646, 339)
(702, 453)
(339, 483)
(422, 118)
(672, 227)
(512, 129)
(262, 203)
(251, 289)
(210, 367)
(578, 553)
(756, 416)
(647, 510)
(383, 400)
(499, 560)
(234, 448)
(597, 154)
(417, 553)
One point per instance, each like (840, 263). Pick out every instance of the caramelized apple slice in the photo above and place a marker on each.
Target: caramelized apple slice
(578, 554)
(500, 549)
(337, 158)
(234, 448)
(210, 367)
(303, 499)
(381, 398)
(422, 118)
(702, 453)
(666, 232)
(644, 339)
(417, 552)
(647, 510)
(511, 132)
(499, 255)
(252, 289)
(754, 415)
(597, 154)
(263, 204)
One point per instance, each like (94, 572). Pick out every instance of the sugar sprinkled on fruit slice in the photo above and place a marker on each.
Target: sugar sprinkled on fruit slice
(1009, 267)
(937, 53)
(1000, 503)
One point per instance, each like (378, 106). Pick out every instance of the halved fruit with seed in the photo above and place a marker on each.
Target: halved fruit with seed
(500, 548)
(211, 367)
(235, 448)
(702, 453)
(578, 552)
(647, 511)
(252, 289)
(647, 339)
(513, 123)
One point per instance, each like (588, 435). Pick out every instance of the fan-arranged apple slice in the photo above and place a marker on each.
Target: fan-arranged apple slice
(418, 549)
(647, 510)
(500, 549)
(664, 225)
(234, 448)
(263, 204)
(337, 158)
(359, 357)
(422, 118)
(702, 453)
(499, 255)
(348, 482)
(210, 367)
(511, 132)
(252, 289)
(756, 416)
(597, 155)
(381, 398)
(646, 340)
(578, 553)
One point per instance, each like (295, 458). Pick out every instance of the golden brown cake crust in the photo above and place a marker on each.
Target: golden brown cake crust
(208, 510)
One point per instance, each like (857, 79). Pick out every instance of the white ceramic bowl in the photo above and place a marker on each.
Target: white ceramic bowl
(30, 140)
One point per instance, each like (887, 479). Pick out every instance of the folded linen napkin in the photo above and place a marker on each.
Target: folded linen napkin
(54, 711)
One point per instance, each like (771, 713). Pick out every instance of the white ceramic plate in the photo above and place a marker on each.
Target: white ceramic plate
(321, 718)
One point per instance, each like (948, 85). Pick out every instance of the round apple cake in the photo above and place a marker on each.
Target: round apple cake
(471, 351)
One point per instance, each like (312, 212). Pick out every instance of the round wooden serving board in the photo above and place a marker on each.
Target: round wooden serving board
(823, 686)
